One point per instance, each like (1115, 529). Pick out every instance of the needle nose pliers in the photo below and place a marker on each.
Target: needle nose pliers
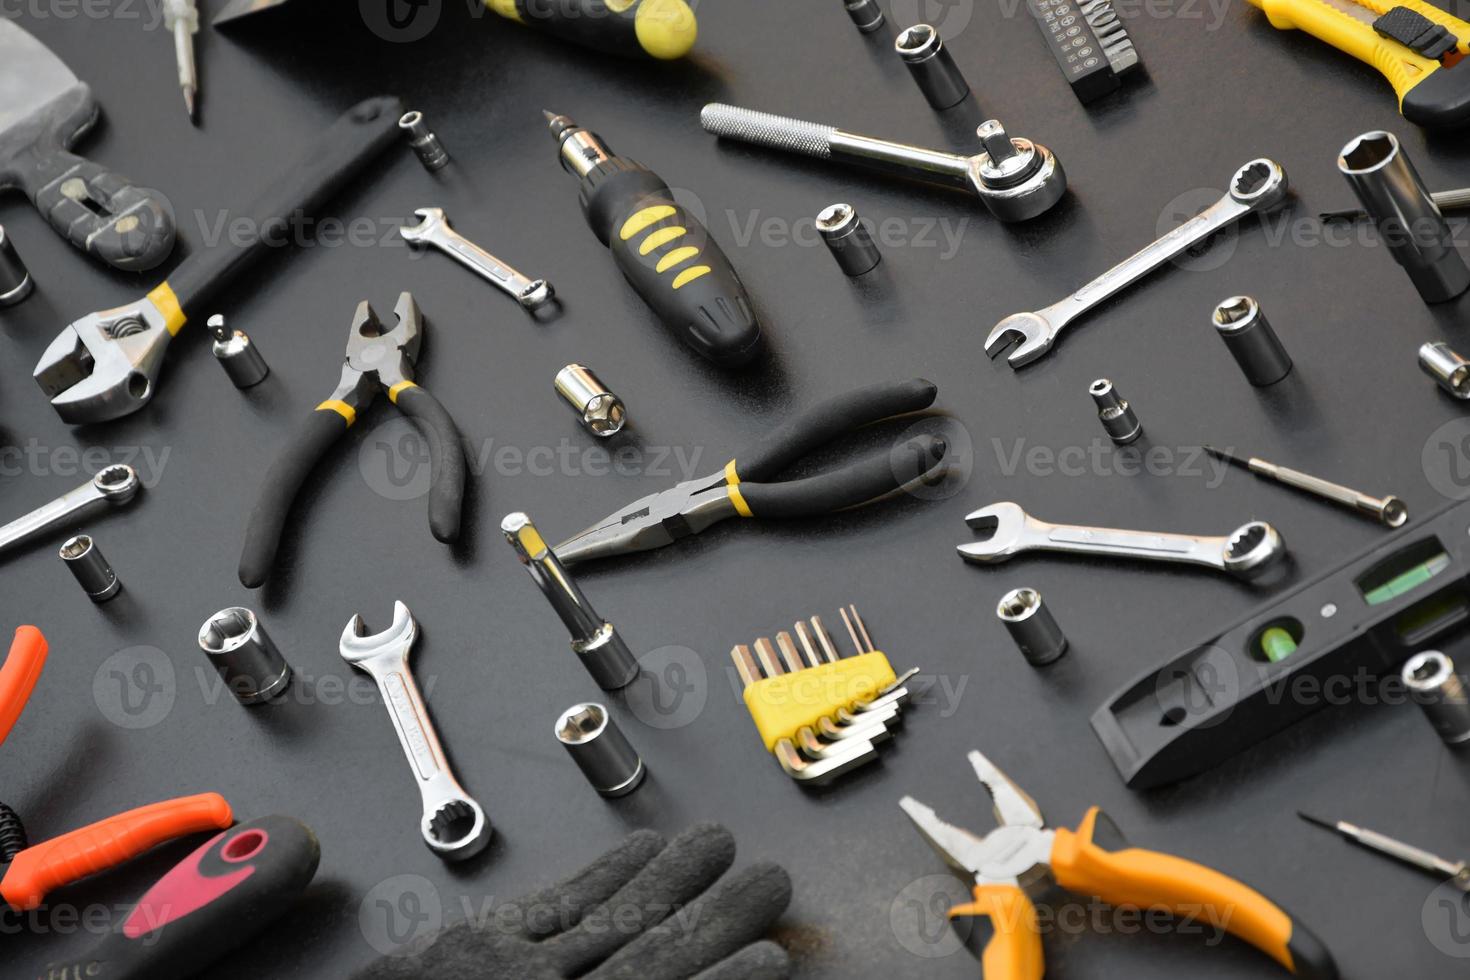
(1023, 855)
(378, 361)
(740, 488)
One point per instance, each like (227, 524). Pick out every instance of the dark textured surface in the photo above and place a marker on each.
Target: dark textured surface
(1222, 87)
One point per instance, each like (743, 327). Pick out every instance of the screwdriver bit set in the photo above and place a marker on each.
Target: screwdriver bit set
(821, 714)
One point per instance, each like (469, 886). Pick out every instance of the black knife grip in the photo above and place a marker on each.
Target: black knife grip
(336, 156)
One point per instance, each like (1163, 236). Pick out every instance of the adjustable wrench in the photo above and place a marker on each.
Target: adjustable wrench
(434, 230)
(1250, 550)
(115, 484)
(454, 825)
(1258, 186)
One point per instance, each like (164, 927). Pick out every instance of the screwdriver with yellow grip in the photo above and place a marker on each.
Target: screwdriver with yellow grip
(662, 29)
(1023, 856)
(1415, 45)
(664, 251)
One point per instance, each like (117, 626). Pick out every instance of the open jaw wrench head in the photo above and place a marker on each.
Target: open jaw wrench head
(105, 365)
(1003, 523)
(430, 220)
(1252, 550)
(1031, 333)
(358, 647)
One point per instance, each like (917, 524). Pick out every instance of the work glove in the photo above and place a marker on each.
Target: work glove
(649, 909)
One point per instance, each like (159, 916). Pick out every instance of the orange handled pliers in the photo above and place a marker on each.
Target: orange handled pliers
(28, 874)
(1021, 857)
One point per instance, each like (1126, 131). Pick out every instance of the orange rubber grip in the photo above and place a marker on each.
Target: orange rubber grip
(19, 675)
(1014, 950)
(38, 870)
(1148, 880)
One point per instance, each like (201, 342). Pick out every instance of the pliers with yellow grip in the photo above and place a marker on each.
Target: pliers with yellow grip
(1023, 855)
(1413, 44)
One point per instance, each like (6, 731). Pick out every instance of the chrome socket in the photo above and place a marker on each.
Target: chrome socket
(15, 279)
(1448, 369)
(1032, 626)
(600, 749)
(1434, 684)
(237, 354)
(848, 239)
(425, 143)
(92, 571)
(594, 640)
(1116, 415)
(1399, 205)
(245, 656)
(866, 14)
(932, 66)
(1251, 341)
(602, 412)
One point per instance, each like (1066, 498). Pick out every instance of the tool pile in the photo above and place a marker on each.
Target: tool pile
(820, 712)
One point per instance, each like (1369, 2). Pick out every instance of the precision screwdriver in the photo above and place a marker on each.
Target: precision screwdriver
(181, 17)
(1390, 510)
(665, 252)
(1458, 872)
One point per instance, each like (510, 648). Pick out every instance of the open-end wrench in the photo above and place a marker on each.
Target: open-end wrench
(454, 825)
(115, 485)
(1258, 186)
(1245, 553)
(433, 229)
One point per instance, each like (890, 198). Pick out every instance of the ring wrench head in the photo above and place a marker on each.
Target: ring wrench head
(1253, 549)
(1259, 185)
(118, 483)
(1003, 523)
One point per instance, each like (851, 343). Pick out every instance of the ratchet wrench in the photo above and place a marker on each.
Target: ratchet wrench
(115, 485)
(1258, 186)
(433, 229)
(1245, 553)
(454, 825)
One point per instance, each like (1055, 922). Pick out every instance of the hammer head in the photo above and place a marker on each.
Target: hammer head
(105, 365)
(357, 647)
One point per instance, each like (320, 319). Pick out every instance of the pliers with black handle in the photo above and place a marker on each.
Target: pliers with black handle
(378, 361)
(1011, 863)
(743, 489)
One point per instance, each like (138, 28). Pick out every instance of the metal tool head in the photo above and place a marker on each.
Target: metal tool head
(356, 646)
(31, 77)
(1031, 333)
(1003, 523)
(429, 219)
(388, 354)
(1252, 549)
(650, 522)
(118, 483)
(1260, 184)
(1013, 807)
(106, 364)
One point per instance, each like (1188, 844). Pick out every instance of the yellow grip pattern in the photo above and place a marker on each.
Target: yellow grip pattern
(782, 705)
(167, 301)
(341, 408)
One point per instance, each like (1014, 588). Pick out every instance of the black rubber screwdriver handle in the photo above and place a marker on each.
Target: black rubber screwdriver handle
(663, 29)
(830, 420)
(209, 904)
(446, 460)
(282, 483)
(333, 158)
(860, 483)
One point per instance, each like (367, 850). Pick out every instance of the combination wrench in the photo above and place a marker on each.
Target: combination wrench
(1258, 186)
(433, 229)
(114, 485)
(1245, 553)
(454, 825)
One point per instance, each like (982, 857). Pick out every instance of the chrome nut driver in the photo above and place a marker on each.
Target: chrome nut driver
(454, 825)
(1258, 186)
(106, 364)
(1246, 553)
(114, 485)
(433, 229)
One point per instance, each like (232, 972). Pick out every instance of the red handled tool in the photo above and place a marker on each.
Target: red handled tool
(210, 903)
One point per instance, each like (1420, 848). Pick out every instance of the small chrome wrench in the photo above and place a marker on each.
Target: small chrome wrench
(115, 484)
(1245, 553)
(433, 229)
(454, 825)
(1257, 186)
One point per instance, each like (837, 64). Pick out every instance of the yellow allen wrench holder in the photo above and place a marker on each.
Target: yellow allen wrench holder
(1413, 44)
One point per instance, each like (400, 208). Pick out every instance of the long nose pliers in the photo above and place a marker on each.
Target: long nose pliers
(1022, 856)
(378, 361)
(741, 488)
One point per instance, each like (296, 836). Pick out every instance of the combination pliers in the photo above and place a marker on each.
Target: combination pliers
(740, 489)
(378, 361)
(1012, 864)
